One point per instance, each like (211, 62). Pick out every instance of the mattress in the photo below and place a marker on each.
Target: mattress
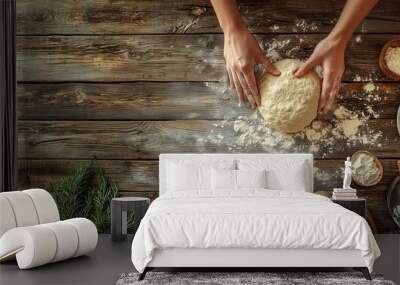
(250, 219)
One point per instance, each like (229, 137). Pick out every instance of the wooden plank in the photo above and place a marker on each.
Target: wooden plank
(168, 100)
(133, 17)
(142, 175)
(130, 175)
(147, 139)
(127, 101)
(140, 178)
(167, 57)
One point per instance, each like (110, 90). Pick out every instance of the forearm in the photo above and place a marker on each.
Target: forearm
(352, 15)
(228, 15)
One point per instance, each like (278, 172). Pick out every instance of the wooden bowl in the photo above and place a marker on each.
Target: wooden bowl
(382, 63)
(377, 163)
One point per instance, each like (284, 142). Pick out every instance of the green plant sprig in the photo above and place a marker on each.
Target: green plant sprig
(85, 194)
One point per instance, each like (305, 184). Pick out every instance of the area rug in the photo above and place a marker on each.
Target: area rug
(244, 278)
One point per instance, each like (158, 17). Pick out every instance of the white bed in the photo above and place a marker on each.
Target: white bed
(273, 226)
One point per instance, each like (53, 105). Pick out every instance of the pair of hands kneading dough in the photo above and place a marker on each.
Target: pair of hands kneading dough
(289, 104)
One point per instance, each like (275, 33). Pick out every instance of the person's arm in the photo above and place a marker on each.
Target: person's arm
(241, 52)
(329, 53)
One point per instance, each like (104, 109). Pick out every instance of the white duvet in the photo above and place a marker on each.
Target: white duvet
(250, 219)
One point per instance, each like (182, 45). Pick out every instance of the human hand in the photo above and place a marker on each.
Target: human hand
(329, 53)
(242, 53)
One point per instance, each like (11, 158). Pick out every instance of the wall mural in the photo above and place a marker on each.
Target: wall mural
(100, 80)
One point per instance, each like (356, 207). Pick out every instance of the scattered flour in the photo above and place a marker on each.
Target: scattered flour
(277, 49)
(321, 138)
(250, 133)
(322, 175)
(302, 25)
(392, 59)
(328, 176)
(348, 121)
(369, 87)
(365, 169)
(274, 47)
(350, 127)
(312, 134)
(363, 77)
(342, 113)
(219, 88)
(275, 28)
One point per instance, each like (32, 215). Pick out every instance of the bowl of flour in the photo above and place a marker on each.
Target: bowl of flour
(367, 169)
(389, 59)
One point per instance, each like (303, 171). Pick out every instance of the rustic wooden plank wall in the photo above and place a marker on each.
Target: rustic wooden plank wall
(122, 81)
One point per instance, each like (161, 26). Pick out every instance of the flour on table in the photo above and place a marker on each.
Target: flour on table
(220, 88)
(345, 129)
(362, 77)
(350, 127)
(275, 28)
(277, 49)
(369, 87)
(322, 175)
(273, 48)
(301, 25)
(342, 113)
(328, 176)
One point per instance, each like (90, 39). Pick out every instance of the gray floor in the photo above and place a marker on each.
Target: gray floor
(103, 266)
(110, 260)
(389, 263)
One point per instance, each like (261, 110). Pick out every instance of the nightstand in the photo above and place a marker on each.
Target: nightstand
(119, 214)
(356, 205)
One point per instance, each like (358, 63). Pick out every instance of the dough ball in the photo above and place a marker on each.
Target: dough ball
(289, 104)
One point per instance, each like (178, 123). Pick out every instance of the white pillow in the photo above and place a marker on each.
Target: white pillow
(223, 179)
(230, 180)
(185, 174)
(251, 179)
(183, 178)
(282, 174)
